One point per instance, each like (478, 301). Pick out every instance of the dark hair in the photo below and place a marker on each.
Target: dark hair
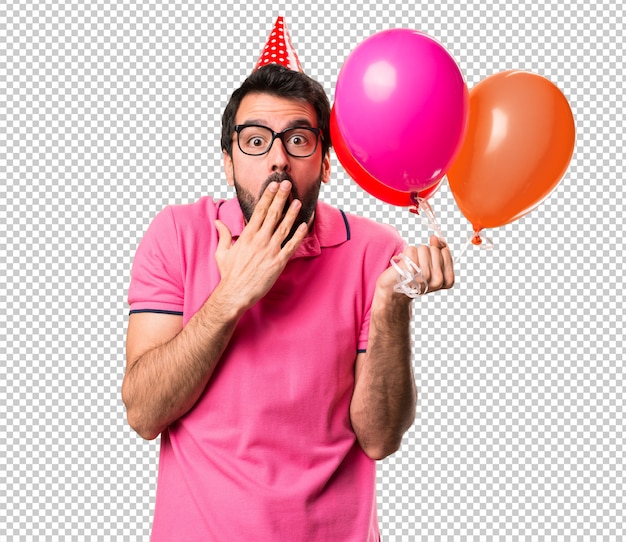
(282, 82)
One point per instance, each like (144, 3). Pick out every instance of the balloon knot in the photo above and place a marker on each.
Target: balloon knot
(415, 210)
(477, 239)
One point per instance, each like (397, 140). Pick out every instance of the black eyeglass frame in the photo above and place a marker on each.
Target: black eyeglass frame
(279, 135)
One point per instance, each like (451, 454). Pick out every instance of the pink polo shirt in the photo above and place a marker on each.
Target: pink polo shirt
(268, 452)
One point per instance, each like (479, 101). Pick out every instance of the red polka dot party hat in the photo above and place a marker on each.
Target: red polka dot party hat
(279, 49)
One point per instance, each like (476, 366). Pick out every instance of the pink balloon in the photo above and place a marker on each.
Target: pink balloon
(369, 183)
(402, 107)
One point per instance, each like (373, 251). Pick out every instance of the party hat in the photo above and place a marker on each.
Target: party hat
(279, 49)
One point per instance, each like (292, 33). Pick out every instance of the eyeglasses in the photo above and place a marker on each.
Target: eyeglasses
(255, 140)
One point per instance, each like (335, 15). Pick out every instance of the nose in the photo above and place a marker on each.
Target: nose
(278, 157)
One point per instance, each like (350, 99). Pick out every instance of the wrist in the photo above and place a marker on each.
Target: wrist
(390, 305)
(223, 307)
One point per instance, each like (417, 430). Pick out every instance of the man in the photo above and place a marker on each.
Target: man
(266, 344)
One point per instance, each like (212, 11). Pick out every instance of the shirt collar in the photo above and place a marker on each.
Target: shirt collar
(330, 228)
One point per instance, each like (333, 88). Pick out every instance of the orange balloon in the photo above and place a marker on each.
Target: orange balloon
(518, 144)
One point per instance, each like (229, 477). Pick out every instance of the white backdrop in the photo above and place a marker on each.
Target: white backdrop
(110, 111)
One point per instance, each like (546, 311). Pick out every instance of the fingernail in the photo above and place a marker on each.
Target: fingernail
(273, 186)
(295, 204)
(285, 185)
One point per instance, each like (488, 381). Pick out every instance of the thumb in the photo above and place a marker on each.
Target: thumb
(437, 242)
(225, 237)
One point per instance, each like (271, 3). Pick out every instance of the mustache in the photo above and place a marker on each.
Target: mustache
(278, 176)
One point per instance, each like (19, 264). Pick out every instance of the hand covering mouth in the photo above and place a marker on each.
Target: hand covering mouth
(280, 177)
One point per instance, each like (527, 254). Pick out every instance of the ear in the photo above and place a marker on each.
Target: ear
(228, 168)
(326, 168)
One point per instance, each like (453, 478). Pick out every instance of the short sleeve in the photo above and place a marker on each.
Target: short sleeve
(156, 280)
(376, 261)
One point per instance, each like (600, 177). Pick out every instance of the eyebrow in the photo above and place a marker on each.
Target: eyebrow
(296, 123)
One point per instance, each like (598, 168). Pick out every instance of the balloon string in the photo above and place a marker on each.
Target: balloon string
(477, 238)
(460, 254)
(410, 280)
(428, 216)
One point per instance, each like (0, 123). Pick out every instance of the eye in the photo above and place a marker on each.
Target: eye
(299, 139)
(256, 142)
(255, 137)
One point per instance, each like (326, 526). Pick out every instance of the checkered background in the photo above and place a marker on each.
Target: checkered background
(110, 110)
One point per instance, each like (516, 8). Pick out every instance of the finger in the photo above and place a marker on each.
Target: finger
(225, 237)
(437, 242)
(291, 246)
(424, 262)
(274, 213)
(301, 232)
(436, 262)
(411, 252)
(260, 210)
(287, 222)
(448, 268)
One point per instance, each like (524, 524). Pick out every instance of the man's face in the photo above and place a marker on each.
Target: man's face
(250, 175)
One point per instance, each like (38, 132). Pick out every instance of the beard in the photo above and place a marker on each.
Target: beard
(247, 201)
